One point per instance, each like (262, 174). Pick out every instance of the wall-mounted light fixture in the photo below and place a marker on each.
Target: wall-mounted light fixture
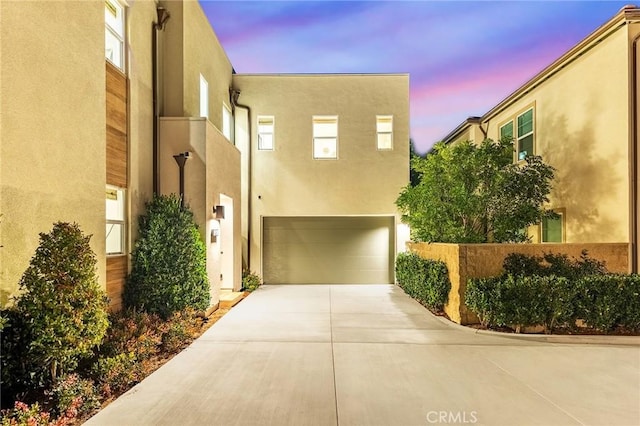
(218, 211)
(215, 233)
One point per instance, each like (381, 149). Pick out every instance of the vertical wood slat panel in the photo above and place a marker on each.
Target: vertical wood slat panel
(116, 118)
(116, 275)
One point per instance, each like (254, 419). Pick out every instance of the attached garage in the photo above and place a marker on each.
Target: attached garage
(328, 250)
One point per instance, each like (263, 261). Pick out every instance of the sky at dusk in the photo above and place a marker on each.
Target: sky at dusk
(463, 57)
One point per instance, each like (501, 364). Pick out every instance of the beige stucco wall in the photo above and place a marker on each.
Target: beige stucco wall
(213, 169)
(466, 261)
(192, 48)
(140, 16)
(52, 128)
(288, 181)
(582, 129)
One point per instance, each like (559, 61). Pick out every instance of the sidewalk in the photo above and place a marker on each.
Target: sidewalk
(370, 355)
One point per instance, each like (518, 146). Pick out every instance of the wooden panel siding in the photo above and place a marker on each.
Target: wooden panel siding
(116, 110)
(117, 158)
(117, 268)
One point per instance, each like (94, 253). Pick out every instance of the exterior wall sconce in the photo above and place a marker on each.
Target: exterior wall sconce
(218, 211)
(215, 233)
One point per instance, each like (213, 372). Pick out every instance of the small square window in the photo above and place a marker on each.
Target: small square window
(384, 129)
(325, 137)
(266, 126)
(506, 131)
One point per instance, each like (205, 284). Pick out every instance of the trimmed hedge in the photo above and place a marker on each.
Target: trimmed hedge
(603, 301)
(425, 280)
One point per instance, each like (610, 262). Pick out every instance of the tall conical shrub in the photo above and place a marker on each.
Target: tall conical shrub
(62, 309)
(169, 261)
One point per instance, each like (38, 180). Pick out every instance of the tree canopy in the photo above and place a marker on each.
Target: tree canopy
(474, 193)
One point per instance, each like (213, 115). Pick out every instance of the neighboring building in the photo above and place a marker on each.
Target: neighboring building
(89, 140)
(581, 115)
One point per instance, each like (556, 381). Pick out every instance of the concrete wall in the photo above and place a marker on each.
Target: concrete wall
(212, 170)
(52, 128)
(466, 261)
(288, 181)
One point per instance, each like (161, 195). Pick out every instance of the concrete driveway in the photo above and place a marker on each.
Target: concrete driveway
(370, 355)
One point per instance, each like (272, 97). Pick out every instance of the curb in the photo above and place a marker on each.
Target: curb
(549, 338)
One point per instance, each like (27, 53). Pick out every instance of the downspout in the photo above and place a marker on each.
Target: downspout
(633, 150)
(234, 94)
(163, 17)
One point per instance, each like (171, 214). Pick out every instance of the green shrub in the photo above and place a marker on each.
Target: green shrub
(425, 280)
(607, 301)
(133, 331)
(169, 261)
(72, 394)
(553, 264)
(180, 330)
(61, 313)
(481, 299)
(115, 374)
(250, 280)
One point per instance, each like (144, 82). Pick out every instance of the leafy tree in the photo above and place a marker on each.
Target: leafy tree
(472, 193)
(61, 313)
(414, 176)
(169, 270)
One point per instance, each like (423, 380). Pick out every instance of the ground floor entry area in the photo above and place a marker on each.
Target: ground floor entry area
(328, 250)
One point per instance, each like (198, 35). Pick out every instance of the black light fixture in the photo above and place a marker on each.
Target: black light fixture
(218, 211)
(181, 159)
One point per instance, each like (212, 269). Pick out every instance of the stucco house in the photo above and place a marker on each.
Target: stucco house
(291, 176)
(581, 115)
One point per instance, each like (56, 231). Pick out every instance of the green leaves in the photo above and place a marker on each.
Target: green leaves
(61, 313)
(169, 261)
(474, 193)
(425, 280)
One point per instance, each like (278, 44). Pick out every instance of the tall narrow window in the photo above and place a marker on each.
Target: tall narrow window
(384, 128)
(114, 33)
(325, 136)
(553, 229)
(227, 122)
(266, 127)
(525, 134)
(115, 207)
(506, 131)
(204, 97)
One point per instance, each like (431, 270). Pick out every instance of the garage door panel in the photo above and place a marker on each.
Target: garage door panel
(330, 250)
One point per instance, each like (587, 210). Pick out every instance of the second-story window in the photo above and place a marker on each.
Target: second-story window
(525, 134)
(227, 122)
(266, 127)
(114, 33)
(325, 137)
(204, 97)
(384, 129)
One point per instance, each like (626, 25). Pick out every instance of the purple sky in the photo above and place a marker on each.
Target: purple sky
(463, 56)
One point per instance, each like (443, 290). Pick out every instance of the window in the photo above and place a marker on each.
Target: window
(553, 229)
(114, 33)
(506, 131)
(265, 132)
(227, 122)
(115, 221)
(525, 134)
(325, 136)
(204, 97)
(384, 128)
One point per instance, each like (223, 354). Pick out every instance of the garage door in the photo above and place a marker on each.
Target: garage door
(328, 250)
